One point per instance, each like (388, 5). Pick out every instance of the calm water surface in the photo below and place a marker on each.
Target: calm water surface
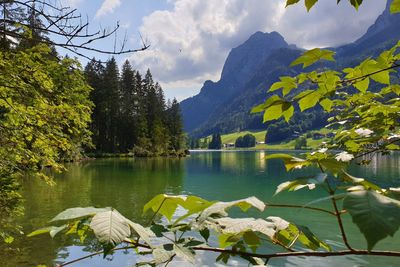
(127, 184)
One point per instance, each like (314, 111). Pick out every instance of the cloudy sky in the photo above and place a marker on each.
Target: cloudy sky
(190, 39)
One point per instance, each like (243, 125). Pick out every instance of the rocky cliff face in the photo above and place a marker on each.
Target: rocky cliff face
(238, 69)
(253, 66)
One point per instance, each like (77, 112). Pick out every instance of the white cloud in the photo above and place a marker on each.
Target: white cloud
(191, 41)
(108, 6)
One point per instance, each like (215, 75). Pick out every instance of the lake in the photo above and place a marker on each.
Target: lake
(127, 184)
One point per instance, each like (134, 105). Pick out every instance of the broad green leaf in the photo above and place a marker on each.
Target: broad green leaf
(289, 161)
(161, 255)
(164, 204)
(312, 56)
(52, 230)
(309, 101)
(205, 233)
(110, 227)
(332, 165)
(356, 3)
(381, 77)
(376, 216)
(287, 111)
(326, 104)
(360, 181)
(308, 239)
(362, 84)
(288, 234)
(302, 183)
(220, 207)
(142, 232)
(252, 240)
(287, 84)
(273, 112)
(235, 226)
(269, 102)
(226, 240)
(75, 213)
(395, 6)
(310, 3)
(193, 205)
(185, 253)
(291, 2)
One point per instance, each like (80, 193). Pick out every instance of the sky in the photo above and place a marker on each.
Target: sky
(190, 39)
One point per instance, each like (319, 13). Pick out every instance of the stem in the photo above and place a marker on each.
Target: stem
(263, 256)
(375, 150)
(339, 219)
(337, 212)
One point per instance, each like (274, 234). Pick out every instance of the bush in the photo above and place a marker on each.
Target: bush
(248, 140)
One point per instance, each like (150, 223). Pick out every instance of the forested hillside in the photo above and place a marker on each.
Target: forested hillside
(131, 113)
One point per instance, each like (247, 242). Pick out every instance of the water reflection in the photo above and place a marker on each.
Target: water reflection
(127, 184)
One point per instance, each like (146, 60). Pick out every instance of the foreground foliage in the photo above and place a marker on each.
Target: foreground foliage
(44, 116)
(364, 104)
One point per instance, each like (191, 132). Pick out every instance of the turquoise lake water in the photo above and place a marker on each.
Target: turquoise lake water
(127, 184)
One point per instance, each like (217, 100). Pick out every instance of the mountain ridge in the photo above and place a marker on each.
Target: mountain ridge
(251, 67)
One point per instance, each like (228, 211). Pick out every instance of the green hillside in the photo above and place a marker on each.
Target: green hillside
(260, 137)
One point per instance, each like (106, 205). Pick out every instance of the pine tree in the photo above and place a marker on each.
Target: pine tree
(111, 87)
(94, 72)
(126, 132)
(175, 125)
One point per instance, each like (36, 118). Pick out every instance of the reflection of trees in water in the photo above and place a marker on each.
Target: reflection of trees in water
(125, 184)
(383, 170)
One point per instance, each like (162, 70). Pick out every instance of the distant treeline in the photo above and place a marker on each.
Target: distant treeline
(130, 112)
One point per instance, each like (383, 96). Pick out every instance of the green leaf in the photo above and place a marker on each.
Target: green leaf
(219, 208)
(311, 241)
(8, 239)
(142, 232)
(309, 100)
(273, 112)
(235, 226)
(375, 215)
(395, 6)
(291, 2)
(226, 240)
(75, 213)
(381, 77)
(301, 183)
(287, 84)
(356, 3)
(309, 4)
(393, 147)
(164, 204)
(110, 227)
(251, 239)
(360, 181)
(289, 161)
(205, 233)
(312, 56)
(161, 255)
(269, 102)
(52, 230)
(326, 104)
(158, 229)
(287, 111)
(185, 253)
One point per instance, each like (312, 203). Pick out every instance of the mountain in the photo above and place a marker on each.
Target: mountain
(239, 67)
(224, 106)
